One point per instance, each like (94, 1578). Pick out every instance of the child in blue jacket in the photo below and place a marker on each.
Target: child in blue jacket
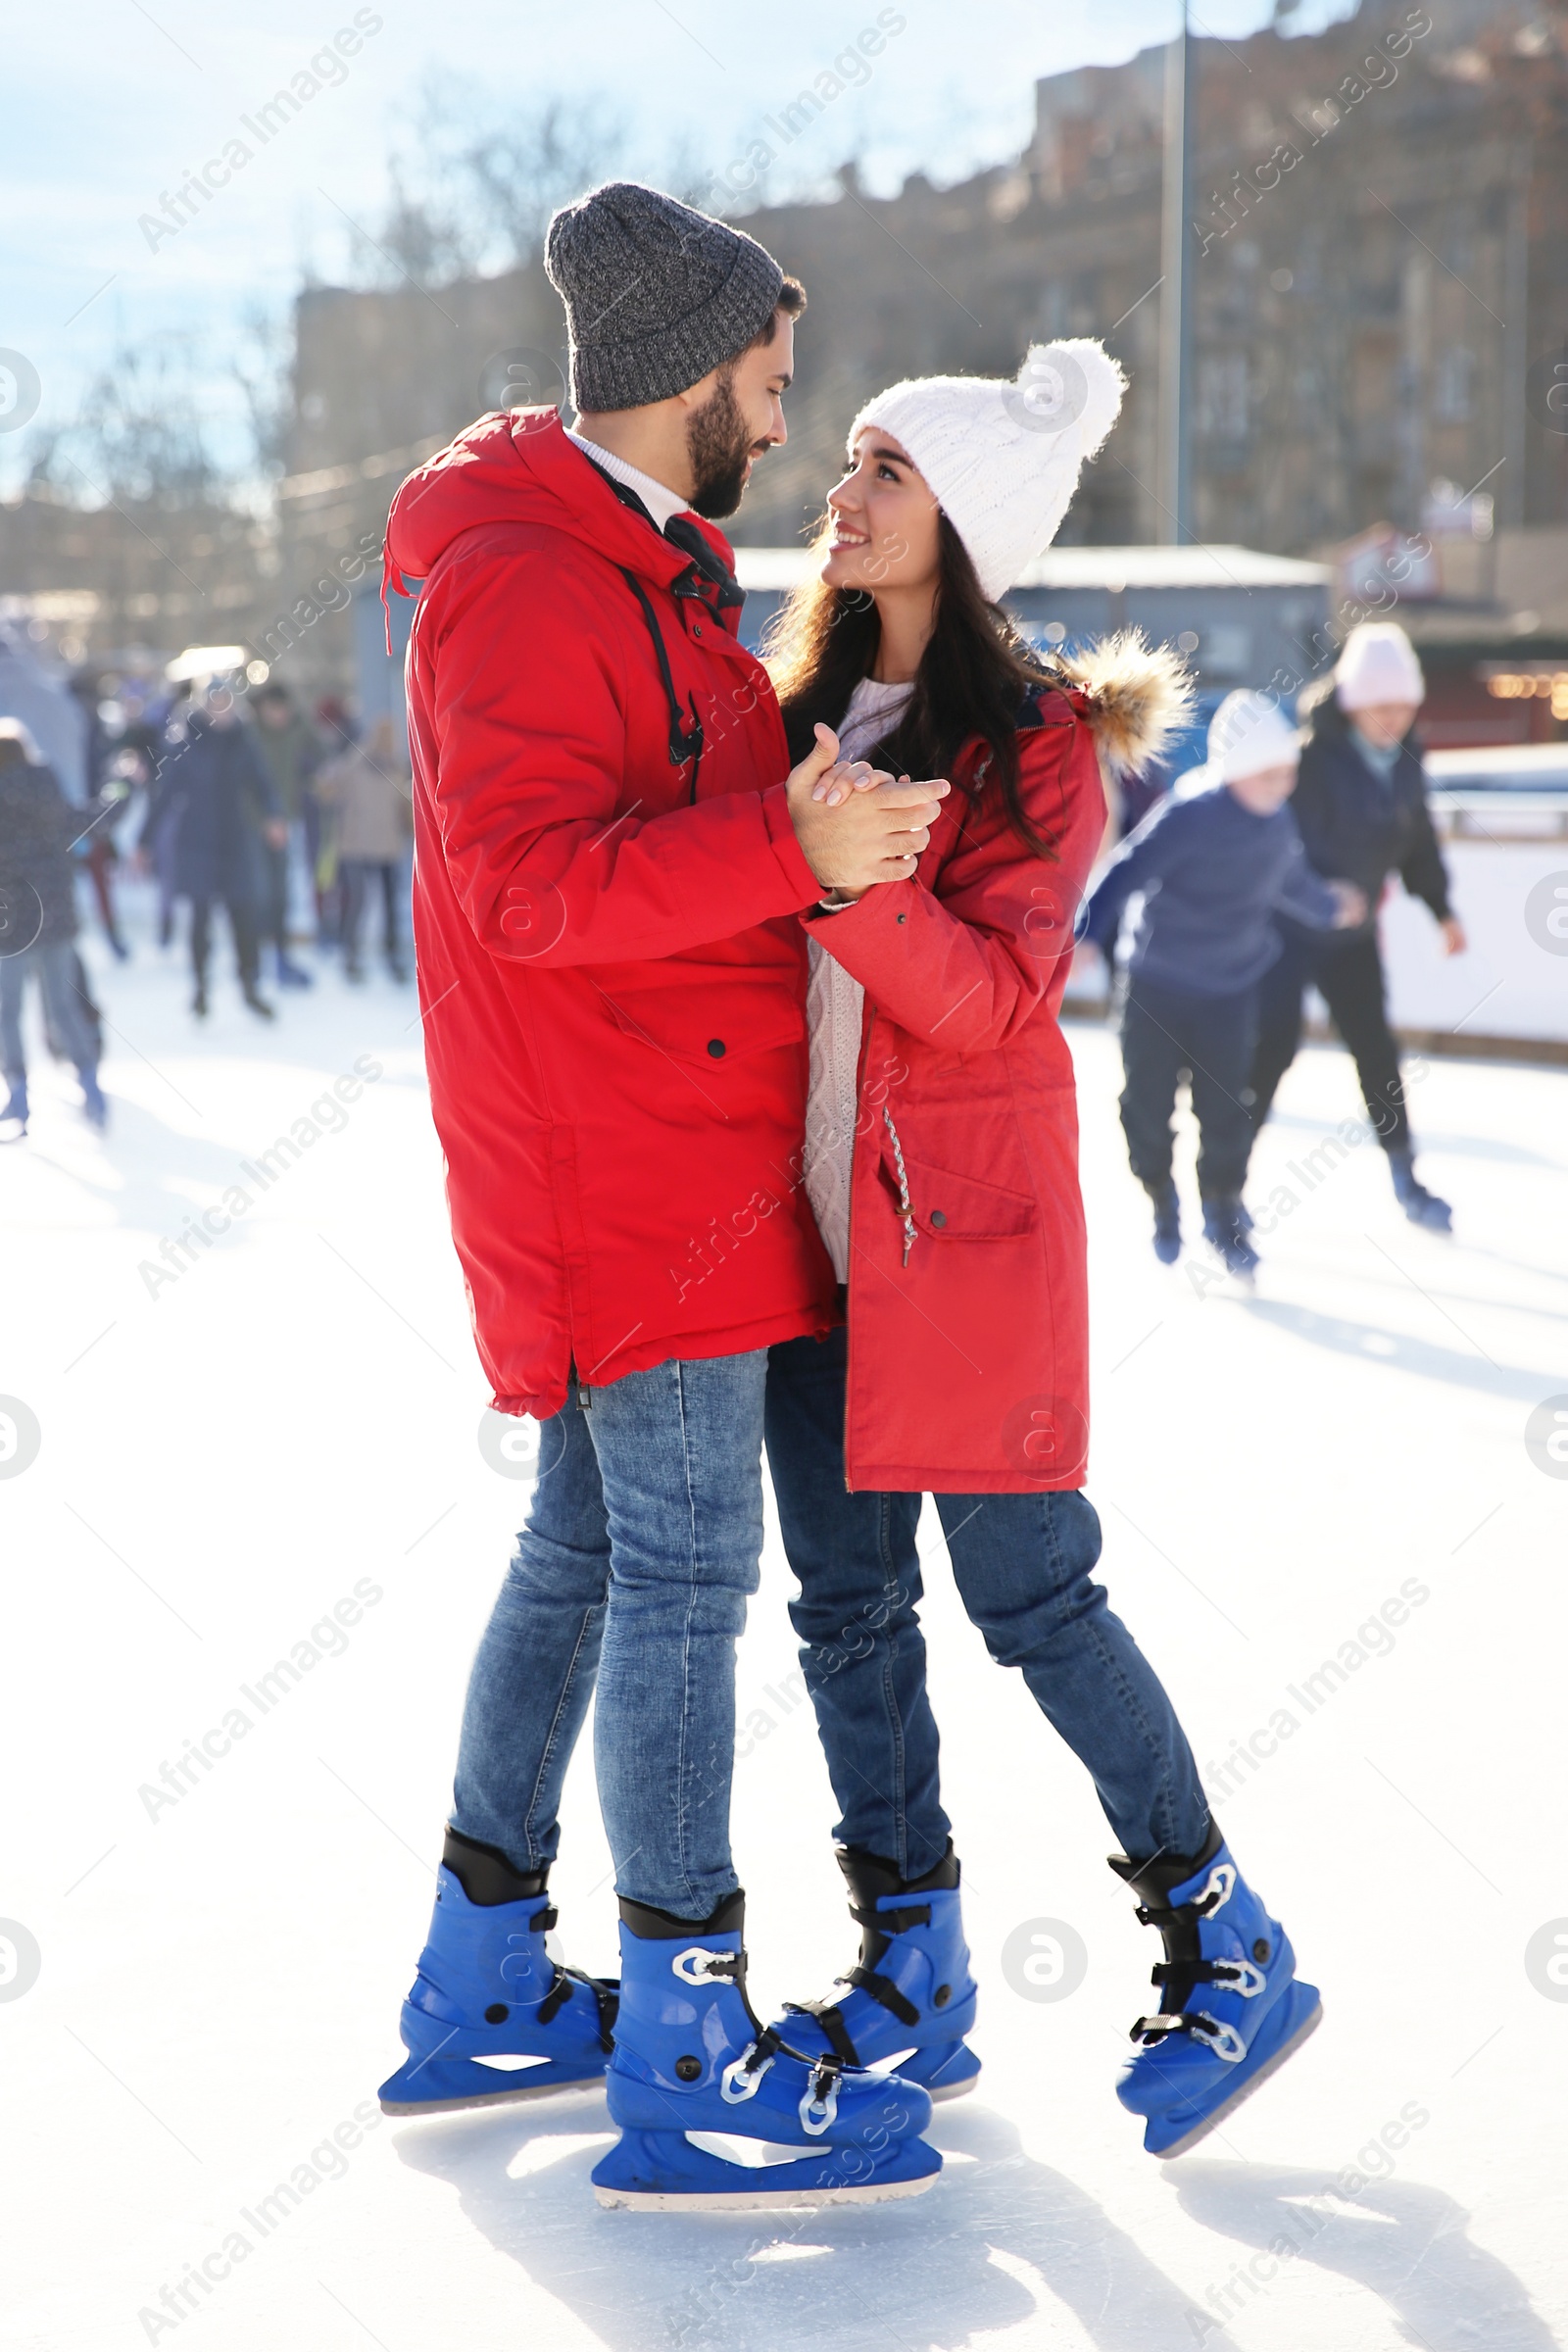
(1214, 861)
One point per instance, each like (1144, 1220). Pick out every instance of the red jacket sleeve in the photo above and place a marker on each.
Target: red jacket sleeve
(528, 696)
(961, 955)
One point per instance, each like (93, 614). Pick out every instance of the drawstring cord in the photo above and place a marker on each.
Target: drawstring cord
(904, 1186)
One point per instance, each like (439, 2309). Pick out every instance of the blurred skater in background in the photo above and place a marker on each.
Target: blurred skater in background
(1362, 813)
(1215, 862)
(364, 793)
(218, 800)
(38, 829)
(291, 753)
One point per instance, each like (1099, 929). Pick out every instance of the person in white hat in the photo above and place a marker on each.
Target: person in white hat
(1215, 863)
(1362, 811)
(941, 1161)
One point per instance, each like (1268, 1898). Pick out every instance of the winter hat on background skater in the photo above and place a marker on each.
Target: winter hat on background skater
(1247, 734)
(656, 293)
(1004, 458)
(1378, 665)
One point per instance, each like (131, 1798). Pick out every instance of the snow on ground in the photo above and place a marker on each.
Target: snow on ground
(291, 1421)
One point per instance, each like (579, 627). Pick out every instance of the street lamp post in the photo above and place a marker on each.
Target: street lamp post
(1175, 301)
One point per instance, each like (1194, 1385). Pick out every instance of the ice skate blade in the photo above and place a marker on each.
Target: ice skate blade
(490, 2098)
(760, 2200)
(1244, 2090)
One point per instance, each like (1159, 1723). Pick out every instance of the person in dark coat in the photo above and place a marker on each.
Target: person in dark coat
(224, 807)
(38, 829)
(100, 854)
(1217, 867)
(291, 751)
(1361, 809)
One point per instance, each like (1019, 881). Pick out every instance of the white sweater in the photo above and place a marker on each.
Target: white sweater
(834, 1005)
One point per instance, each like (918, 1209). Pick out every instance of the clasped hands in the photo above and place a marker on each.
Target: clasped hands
(858, 825)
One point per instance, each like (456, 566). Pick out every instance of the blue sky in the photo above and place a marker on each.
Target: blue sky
(112, 103)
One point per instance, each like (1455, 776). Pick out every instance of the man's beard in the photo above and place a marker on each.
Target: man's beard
(719, 447)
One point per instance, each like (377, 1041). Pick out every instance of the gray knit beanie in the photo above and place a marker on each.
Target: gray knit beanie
(656, 293)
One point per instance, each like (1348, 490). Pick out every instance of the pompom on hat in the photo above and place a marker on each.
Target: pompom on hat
(1247, 734)
(1378, 665)
(1004, 458)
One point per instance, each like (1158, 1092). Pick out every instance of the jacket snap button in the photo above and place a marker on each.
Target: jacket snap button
(901, 918)
(715, 1046)
(697, 628)
(939, 1217)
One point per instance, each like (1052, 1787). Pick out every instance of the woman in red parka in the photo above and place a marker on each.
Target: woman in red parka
(941, 1161)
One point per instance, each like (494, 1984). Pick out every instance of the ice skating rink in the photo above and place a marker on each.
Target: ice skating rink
(1322, 1517)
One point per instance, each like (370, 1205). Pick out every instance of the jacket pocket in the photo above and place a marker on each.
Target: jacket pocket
(711, 1026)
(948, 1207)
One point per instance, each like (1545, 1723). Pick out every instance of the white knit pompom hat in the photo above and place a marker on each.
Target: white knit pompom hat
(1378, 665)
(1004, 458)
(1249, 733)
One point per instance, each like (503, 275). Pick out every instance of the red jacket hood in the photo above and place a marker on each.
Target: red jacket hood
(519, 466)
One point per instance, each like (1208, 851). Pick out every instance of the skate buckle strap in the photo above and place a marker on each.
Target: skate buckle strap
(1217, 1890)
(1235, 1976)
(695, 1966)
(605, 1996)
(886, 1993)
(819, 2103)
(543, 1921)
(1223, 2041)
(742, 2079)
(830, 2017)
(893, 1923)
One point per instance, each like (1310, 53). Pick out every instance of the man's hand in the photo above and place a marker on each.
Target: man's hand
(1455, 942)
(876, 835)
(1350, 912)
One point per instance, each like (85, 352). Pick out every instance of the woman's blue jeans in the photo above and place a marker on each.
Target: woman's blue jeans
(643, 1539)
(1022, 1564)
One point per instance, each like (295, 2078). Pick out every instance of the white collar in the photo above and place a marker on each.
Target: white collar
(661, 503)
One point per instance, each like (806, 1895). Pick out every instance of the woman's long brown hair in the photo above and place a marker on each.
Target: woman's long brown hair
(972, 680)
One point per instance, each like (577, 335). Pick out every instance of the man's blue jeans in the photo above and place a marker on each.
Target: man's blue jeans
(1022, 1563)
(643, 1539)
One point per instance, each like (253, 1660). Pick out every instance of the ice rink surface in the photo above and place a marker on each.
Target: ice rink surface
(1321, 1518)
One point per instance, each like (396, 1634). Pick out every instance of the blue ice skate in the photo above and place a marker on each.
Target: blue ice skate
(910, 2000)
(690, 2056)
(487, 1991)
(1232, 2009)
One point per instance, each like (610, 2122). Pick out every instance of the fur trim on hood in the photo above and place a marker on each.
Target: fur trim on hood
(1140, 697)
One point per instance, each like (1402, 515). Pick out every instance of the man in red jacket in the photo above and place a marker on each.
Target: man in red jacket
(610, 856)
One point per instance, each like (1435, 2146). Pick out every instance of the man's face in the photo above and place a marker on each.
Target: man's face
(273, 712)
(1384, 724)
(739, 418)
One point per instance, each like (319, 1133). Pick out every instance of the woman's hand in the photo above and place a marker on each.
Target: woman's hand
(862, 834)
(859, 776)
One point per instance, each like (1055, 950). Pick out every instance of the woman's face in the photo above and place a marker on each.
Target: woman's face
(884, 521)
